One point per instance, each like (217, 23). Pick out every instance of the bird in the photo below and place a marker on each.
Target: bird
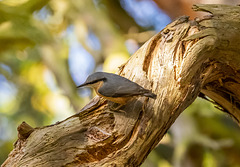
(116, 88)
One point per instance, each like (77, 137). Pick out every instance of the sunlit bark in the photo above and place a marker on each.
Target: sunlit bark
(186, 58)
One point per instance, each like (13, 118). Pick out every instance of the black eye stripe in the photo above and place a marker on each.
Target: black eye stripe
(102, 79)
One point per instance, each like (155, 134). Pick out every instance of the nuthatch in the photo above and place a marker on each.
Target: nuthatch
(115, 88)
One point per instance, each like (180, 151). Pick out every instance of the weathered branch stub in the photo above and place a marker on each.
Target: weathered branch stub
(184, 59)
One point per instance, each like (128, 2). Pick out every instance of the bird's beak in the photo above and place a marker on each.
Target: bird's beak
(84, 84)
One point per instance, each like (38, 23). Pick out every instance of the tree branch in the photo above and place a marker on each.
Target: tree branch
(184, 59)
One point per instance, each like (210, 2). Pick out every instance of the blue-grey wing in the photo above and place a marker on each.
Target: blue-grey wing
(121, 88)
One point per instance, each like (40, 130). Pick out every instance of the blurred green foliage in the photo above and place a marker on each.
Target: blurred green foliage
(36, 85)
(202, 136)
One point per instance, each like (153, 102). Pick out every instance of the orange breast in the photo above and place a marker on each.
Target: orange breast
(119, 100)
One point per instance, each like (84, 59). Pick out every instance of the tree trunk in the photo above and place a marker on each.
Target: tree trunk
(184, 59)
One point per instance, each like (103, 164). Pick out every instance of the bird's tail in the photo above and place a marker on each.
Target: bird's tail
(150, 94)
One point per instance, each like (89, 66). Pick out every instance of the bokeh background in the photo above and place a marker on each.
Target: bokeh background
(47, 47)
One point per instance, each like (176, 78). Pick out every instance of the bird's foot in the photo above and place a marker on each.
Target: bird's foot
(116, 109)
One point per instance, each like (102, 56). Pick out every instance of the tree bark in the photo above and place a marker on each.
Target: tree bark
(176, 8)
(187, 58)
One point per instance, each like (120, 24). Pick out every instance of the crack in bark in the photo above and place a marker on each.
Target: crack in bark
(151, 48)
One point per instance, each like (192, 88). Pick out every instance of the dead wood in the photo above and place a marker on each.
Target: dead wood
(184, 59)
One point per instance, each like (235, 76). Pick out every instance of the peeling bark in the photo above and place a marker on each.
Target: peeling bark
(184, 59)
